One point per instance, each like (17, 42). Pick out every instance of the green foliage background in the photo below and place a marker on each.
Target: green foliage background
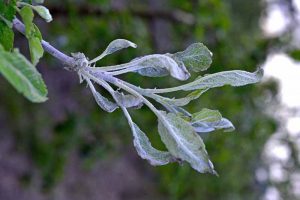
(70, 120)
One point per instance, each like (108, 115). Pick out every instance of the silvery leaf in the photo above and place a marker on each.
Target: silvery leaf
(114, 46)
(233, 78)
(210, 120)
(205, 127)
(196, 57)
(160, 65)
(144, 147)
(128, 100)
(180, 101)
(102, 101)
(183, 142)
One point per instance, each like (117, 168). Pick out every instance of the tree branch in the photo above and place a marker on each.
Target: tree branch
(65, 59)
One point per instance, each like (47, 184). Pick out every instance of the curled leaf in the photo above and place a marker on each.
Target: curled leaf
(160, 65)
(102, 101)
(144, 147)
(210, 120)
(128, 100)
(183, 143)
(114, 46)
(205, 127)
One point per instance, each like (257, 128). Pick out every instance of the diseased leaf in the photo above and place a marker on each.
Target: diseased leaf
(155, 65)
(43, 12)
(146, 151)
(22, 75)
(144, 147)
(128, 100)
(183, 143)
(210, 120)
(180, 101)
(196, 57)
(7, 12)
(114, 46)
(102, 101)
(159, 65)
(233, 78)
(179, 111)
(32, 34)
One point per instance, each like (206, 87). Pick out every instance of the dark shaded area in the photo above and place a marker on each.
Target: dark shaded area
(67, 148)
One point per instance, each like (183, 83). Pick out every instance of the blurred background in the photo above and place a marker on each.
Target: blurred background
(68, 148)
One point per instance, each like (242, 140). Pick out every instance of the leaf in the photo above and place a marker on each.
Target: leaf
(196, 57)
(102, 101)
(7, 10)
(179, 111)
(114, 46)
(210, 120)
(146, 151)
(233, 78)
(206, 115)
(179, 101)
(43, 12)
(22, 75)
(160, 65)
(32, 34)
(144, 147)
(183, 142)
(128, 100)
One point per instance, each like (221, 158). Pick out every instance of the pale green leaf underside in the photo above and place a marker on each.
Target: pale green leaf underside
(22, 75)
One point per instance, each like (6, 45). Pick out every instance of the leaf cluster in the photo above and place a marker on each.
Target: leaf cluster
(179, 129)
